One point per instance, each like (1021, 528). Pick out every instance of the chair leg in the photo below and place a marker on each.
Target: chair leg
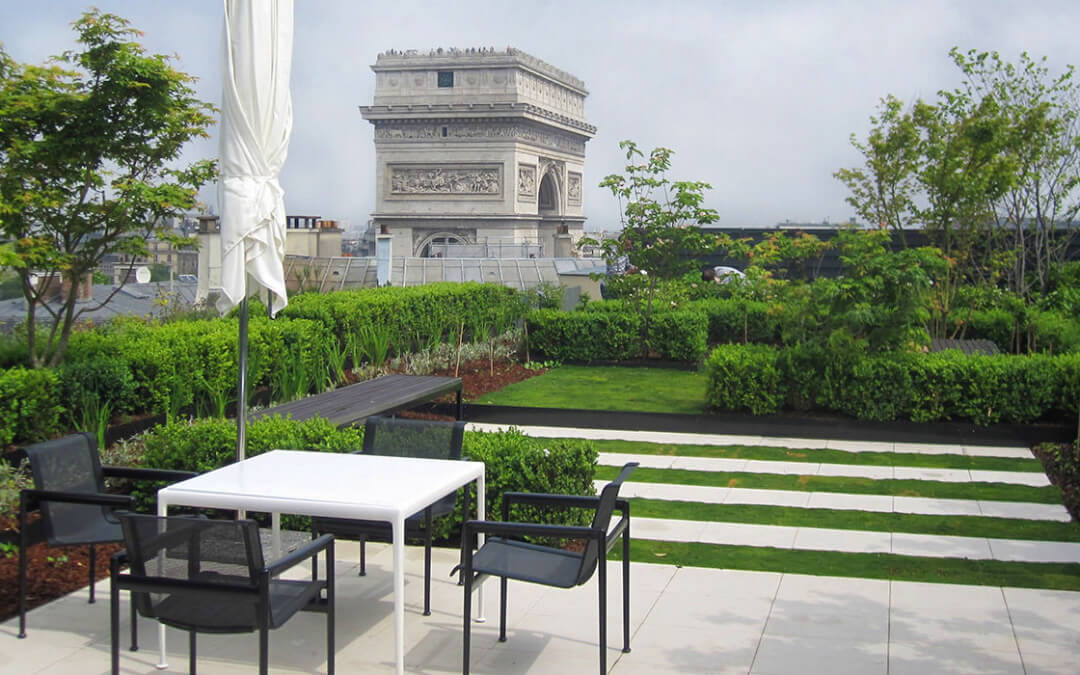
(134, 624)
(330, 609)
(502, 609)
(93, 565)
(427, 561)
(626, 589)
(264, 650)
(363, 556)
(22, 566)
(466, 576)
(191, 652)
(114, 625)
(602, 565)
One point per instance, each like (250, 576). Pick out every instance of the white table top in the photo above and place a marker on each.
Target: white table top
(325, 484)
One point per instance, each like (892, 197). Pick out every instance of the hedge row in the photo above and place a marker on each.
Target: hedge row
(132, 367)
(512, 460)
(413, 318)
(891, 386)
(616, 334)
(30, 406)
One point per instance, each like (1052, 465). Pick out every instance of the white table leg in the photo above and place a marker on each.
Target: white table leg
(398, 534)
(275, 534)
(481, 514)
(162, 510)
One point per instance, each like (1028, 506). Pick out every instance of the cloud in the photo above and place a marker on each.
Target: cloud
(758, 99)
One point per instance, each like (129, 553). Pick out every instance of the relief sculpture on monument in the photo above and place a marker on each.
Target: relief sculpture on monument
(440, 180)
(527, 181)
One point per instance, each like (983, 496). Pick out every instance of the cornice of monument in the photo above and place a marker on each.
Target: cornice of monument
(475, 57)
(427, 112)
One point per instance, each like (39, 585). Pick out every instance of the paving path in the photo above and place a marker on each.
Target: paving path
(827, 539)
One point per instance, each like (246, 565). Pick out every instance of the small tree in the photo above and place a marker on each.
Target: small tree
(87, 151)
(661, 234)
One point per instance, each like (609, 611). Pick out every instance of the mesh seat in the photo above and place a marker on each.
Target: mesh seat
(508, 558)
(397, 437)
(69, 492)
(209, 576)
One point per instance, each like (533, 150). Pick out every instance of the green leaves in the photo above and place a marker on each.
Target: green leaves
(86, 152)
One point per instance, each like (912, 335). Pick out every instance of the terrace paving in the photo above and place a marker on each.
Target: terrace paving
(683, 619)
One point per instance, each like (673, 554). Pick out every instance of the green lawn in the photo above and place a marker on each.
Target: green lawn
(863, 486)
(823, 456)
(660, 390)
(1062, 576)
(873, 521)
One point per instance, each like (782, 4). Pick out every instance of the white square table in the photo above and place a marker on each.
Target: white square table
(367, 487)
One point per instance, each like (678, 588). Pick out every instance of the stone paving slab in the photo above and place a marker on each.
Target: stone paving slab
(855, 541)
(720, 464)
(768, 441)
(683, 620)
(843, 501)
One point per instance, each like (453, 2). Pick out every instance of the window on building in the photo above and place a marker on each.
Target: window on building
(446, 78)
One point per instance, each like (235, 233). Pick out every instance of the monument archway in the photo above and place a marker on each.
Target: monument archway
(549, 196)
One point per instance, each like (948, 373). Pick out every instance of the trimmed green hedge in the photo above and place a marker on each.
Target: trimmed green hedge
(413, 317)
(583, 336)
(948, 385)
(30, 407)
(512, 460)
(737, 321)
(744, 378)
(679, 335)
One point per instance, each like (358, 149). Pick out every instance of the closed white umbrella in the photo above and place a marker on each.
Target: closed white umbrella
(256, 121)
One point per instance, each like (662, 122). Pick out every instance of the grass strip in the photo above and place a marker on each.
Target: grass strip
(849, 485)
(1057, 576)
(839, 519)
(661, 390)
(825, 456)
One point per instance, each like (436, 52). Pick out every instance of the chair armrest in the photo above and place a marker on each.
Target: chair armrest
(540, 498)
(299, 555)
(32, 496)
(141, 473)
(506, 529)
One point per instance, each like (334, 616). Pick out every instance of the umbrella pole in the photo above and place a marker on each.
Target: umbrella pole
(241, 393)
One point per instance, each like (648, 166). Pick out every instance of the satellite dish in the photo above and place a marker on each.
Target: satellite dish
(142, 275)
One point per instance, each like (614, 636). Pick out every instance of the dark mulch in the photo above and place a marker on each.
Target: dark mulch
(1062, 464)
(55, 572)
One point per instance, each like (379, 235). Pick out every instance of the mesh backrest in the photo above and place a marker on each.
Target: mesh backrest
(413, 438)
(68, 464)
(218, 552)
(601, 521)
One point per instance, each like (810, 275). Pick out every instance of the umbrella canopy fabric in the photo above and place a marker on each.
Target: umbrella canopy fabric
(256, 121)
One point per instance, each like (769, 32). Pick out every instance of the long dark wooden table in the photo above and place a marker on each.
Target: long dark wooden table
(384, 395)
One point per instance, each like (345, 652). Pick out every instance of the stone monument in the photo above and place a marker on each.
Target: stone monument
(477, 147)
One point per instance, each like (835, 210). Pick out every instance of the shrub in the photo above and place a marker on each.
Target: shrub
(744, 377)
(30, 407)
(584, 336)
(679, 335)
(737, 320)
(516, 462)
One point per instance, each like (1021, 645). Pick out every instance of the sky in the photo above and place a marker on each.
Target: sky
(758, 99)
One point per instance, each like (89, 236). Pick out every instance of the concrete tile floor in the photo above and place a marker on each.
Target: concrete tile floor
(683, 620)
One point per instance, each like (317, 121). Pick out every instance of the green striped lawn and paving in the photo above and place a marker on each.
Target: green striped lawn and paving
(660, 390)
(840, 519)
(1061, 576)
(824, 456)
(844, 484)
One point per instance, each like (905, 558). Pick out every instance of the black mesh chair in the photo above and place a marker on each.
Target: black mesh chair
(69, 491)
(208, 576)
(402, 438)
(509, 558)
